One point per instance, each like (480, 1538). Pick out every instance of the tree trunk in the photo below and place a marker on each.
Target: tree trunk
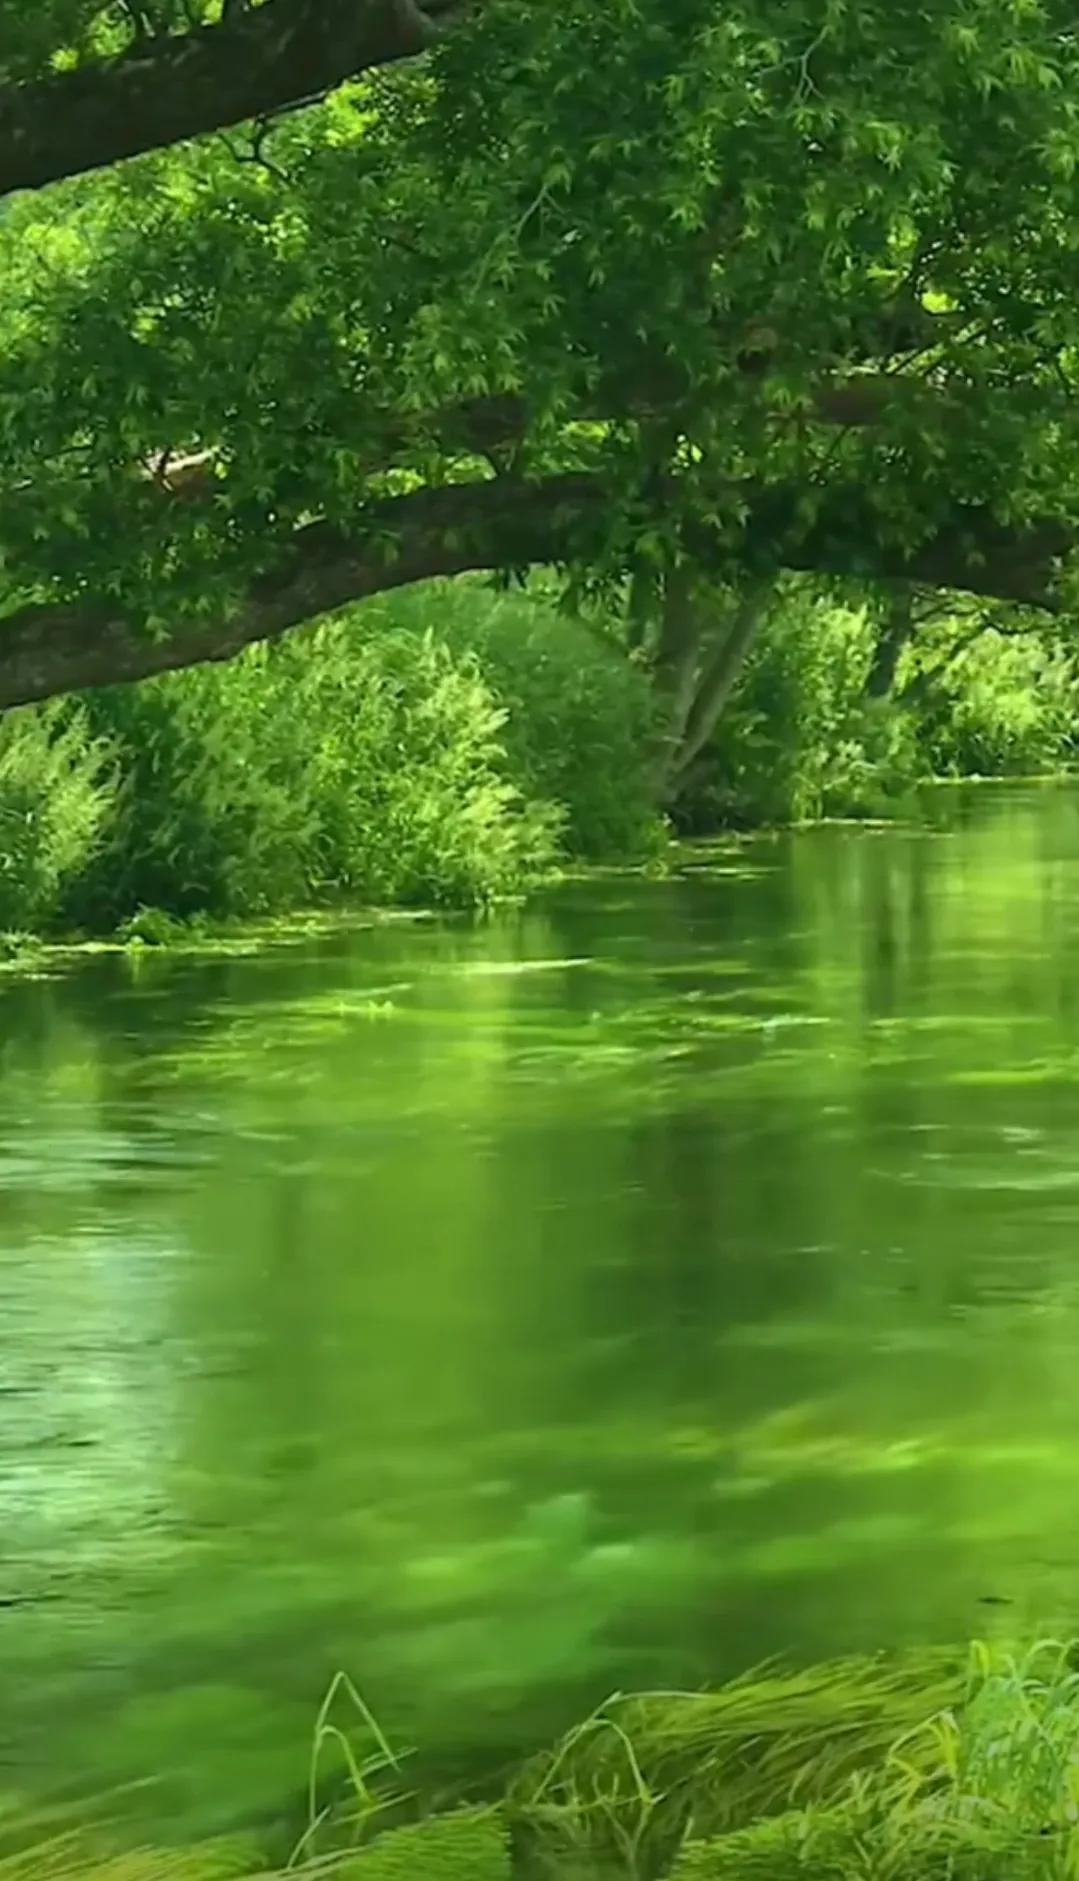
(894, 637)
(674, 669)
(720, 676)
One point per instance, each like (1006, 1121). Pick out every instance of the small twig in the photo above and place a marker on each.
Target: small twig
(805, 80)
(801, 60)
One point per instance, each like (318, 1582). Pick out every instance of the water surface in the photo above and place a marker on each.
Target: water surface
(671, 1274)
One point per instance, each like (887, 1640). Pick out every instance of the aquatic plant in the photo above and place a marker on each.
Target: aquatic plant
(926, 1768)
(704, 1789)
(72, 1856)
(631, 1784)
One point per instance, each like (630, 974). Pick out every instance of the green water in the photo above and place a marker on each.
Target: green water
(672, 1274)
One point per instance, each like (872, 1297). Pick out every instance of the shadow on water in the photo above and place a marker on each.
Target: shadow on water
(609, 1294)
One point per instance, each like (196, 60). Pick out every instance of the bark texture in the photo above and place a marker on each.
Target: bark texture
(164, 90)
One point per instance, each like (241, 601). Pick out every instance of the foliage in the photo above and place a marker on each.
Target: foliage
(57, 792)
(578, 715)
(761, 283)
(996, 706)
(328, 766)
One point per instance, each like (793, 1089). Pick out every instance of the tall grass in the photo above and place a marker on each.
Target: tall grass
(927, 1769)
(332, 764)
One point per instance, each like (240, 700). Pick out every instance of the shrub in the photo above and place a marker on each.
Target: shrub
(333, 763)
(578, 714)
(57, 793)
(1001, 707)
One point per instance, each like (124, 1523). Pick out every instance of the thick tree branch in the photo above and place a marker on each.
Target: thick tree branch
(163, 90)
(46, 649)
(504, 523)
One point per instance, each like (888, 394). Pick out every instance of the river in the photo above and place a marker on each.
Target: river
(619, 1291)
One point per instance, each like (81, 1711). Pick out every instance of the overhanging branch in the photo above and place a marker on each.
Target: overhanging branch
(503, 523)
(164, 90)
(46, 649)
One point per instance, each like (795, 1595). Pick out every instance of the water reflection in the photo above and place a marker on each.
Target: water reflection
(618, 1291)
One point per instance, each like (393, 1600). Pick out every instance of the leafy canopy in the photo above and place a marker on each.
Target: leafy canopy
(740, 281)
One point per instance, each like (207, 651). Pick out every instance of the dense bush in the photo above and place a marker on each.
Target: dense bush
(335, 762)
(999, 706)
(57, 796)
(578, 714)
(441, 746)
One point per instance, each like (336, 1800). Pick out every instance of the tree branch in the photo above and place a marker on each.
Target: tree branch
(48, 649)
(721, 673)
(163, 90)
(503, 523)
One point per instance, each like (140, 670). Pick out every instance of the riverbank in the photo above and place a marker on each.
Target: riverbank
(152, 932)
(937, 1764)
(451, 748)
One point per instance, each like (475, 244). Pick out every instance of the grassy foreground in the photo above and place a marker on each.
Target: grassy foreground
(939, 1769)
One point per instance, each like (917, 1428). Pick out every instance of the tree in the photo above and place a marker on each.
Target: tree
(670, 294)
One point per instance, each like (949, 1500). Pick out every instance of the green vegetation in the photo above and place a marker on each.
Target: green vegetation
(764, 406)
(734, 344)
(807, 734)
(373, 768)
(776, 287)
(452, 745)
(579, 715)
(923, 1770)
